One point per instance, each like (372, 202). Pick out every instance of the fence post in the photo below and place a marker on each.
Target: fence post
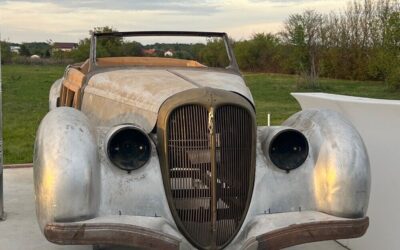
(2, 214)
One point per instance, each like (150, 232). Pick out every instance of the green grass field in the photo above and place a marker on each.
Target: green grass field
(25, 101)
(271, 93)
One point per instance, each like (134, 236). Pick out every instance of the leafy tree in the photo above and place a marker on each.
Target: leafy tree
(260, 53)
(361, 42)
(5, 52)
(302, 32)
(196, 49)
(108, 46)
(81, 53)
(183, 54)
(132, 49)
(214, 53)
(24, 51)
(390, 54)
(35, 48)
(105, 46)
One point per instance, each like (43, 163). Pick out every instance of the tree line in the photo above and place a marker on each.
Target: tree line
(361, 42)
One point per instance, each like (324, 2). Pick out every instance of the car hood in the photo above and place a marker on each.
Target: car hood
(145, 90)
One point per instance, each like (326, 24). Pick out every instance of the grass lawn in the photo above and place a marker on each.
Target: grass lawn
(271, 93)
(25, 102)
(26, 88)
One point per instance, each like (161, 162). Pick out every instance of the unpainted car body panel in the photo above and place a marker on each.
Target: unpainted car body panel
(327, 182)
(66, 167)
(136, 94)
(340, 155)
(54, 93)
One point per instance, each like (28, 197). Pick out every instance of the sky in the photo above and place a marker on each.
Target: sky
(70, 21)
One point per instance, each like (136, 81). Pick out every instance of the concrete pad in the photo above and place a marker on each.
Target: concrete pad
(325, 245)
(21, 231)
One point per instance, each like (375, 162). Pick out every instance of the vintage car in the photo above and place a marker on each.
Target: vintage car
(164, 153)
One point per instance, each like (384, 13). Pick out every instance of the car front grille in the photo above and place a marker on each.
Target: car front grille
(210, 170)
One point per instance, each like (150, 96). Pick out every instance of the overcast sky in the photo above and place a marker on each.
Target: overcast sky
(70, 21)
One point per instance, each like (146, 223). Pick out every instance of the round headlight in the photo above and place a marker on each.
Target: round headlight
(129, 148)
(288, 149)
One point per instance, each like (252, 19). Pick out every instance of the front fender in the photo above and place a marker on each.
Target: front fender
(54, 93)
(66, 168)
(341, 173)
(326, 198)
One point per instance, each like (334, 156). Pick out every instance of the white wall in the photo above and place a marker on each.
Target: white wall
(378, 122)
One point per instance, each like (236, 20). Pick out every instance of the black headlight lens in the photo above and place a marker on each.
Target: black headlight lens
(129, 148)
(288, 149)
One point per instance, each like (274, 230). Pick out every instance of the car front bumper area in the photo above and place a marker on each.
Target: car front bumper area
(269, 231)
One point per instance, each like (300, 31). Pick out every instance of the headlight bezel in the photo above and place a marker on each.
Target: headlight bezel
(288, 161)
(117, 132)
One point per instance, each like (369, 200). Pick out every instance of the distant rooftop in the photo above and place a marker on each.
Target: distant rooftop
(65, 45)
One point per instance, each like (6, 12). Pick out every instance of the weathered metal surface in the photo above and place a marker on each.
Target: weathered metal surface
(136, 94)
(141, 232)
(341, 174)
(285, 230)
(271, 231)
(275, 192)
(66, 168)
(71, 154)
(334, 179)
(312, 232)
(54, 93)
(138, 193)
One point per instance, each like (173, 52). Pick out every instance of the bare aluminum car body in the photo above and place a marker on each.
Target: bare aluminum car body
(83, 198)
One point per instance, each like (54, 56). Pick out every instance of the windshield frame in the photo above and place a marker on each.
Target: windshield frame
(95, 35)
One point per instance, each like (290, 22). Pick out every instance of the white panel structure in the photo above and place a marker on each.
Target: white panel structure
(378, 122)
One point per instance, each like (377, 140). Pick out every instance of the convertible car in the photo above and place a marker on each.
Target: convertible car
(164, 153)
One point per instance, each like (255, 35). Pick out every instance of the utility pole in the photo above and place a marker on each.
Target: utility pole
(2, 214)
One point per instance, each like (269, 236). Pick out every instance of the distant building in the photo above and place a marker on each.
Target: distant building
(15, 49)
(168, 53)
(149, 52)
(66, 47)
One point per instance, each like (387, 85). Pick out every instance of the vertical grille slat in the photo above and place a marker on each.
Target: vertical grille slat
(236, 158)
(190, 166)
